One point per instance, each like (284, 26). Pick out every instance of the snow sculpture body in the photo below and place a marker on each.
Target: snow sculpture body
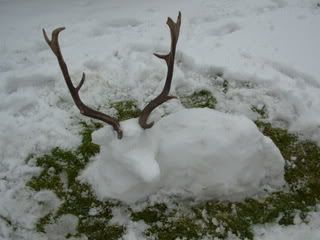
(199, 153)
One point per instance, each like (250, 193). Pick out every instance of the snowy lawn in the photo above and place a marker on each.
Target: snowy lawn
(246, 59)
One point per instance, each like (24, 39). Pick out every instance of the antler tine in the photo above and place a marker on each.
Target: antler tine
(84, 109)
(169, 58)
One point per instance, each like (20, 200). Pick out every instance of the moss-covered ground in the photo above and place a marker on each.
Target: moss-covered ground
(126, 110)
(60, 169)
(199, 99)
(181, 219)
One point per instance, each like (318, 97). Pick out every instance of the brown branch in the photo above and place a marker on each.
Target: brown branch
(169, 58)
(84, 109)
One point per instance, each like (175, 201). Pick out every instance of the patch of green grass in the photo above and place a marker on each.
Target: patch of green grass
(199, 99)
(43, 222)
(60, 169)
(87, 148)
(262, 111)
(169, 223)
(151, 214)
(183, 228)
(6, 220)
(302, 170)
(126, 110)
(225, 86)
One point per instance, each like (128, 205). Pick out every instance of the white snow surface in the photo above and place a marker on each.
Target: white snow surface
(268, 50)
(199, 153)
(307, 229)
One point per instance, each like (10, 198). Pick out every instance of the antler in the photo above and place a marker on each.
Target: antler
(85, 110)
(169, 58)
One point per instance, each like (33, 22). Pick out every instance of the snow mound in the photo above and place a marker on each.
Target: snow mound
(200, 153)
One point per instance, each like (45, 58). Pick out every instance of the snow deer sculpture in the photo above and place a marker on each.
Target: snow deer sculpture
(198, 153)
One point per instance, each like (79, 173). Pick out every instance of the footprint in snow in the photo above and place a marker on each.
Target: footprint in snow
(14, 83)
(226, 29)
(123, 22)
(103, 28)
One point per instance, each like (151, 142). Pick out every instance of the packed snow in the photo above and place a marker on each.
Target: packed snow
(308, 229)
(198, 153)
(268, 50)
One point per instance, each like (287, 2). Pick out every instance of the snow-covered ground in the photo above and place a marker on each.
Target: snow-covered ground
(268, 50)
(298, 231)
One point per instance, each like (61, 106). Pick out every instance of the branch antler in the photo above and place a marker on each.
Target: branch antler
(84, 109)
(169, 58)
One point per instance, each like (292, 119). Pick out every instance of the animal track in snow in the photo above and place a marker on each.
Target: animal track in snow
(272, 6)
(123, 22)
(5, 67)
(290, 72)
(103, 28)
(35, 81)
(226, 29)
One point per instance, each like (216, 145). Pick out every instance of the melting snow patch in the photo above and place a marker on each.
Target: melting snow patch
(301, 230)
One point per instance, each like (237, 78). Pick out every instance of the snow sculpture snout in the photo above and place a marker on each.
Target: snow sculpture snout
(200, 153)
